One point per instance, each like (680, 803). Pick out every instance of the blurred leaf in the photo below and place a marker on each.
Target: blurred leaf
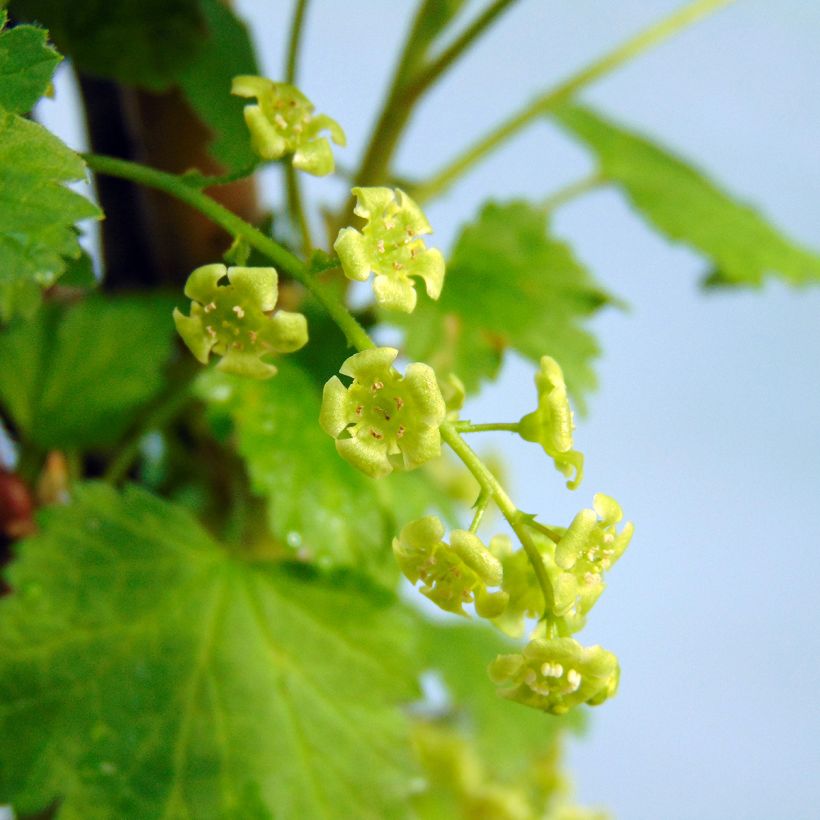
(79, 272)
(81, 375)
(685, 205)
(206, 83)
(37, 211)
(319, 505)
(137, 42)
(26, 66)
(509, 284)
(147, 672)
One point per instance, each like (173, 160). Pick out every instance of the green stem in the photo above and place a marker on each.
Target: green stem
(492, 486)
(561, 93)
(294, 41)
(409, 84)
(296, 207)
(282, 258)
(434, 70)
(480, 508)
(572, 191)
(201, 181)
(550, 533)
(467, 427)
(293, 188)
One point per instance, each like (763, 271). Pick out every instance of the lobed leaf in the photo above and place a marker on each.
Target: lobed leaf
(80, 376)
(26, 66)
(37, 211)
(681, 202)
(509, 285)
(147, 672)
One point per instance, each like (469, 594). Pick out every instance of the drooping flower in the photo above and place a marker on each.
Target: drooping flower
(235, 320)
(556, 675)
(551, 424)
(282, 122)
(591, 544)
(452, 574)
(389, 247)
(383, 420)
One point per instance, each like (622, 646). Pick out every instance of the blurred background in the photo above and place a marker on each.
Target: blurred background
(705, 424)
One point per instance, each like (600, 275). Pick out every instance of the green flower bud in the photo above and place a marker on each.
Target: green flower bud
(557, 675)
(452, 574)
(282, 122)
(236, 320)
(383, 420)
(551, 425)
(389, 246)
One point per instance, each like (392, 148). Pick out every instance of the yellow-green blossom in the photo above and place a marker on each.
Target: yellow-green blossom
(236, 319)
(383, 420)
(556, 675)
(452, 574)
(282, 122)
(551, 424)
(389, 247)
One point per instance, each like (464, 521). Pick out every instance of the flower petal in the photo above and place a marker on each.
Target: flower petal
(287, 331)
(257, 285)
(351, 247)
(203, 281)
(368, 455)
(333, 415)
(395, 293)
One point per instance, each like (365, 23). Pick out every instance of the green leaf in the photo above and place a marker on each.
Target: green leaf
(509, 284)
(318, 505)
(37, 212)
(81, 375)
(206, 83)
(138, 42)
(26, 66)
(681, 202)
(147, 672)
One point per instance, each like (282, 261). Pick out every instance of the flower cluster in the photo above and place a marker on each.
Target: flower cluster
(282, 122)
(235, 320)
(389, 247)
(551, 424)
(383, 420)
(556, 675)
(452, 574)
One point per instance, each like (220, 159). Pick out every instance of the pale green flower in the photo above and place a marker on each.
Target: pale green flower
(551, 425)
(236, 320)
(282, 122)
(556, 675)
(389, 247)
(383, 420)
(452, 574)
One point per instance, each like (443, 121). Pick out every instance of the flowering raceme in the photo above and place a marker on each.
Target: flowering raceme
(235, 320)
(282, 122)
(383, 420)
(389, 247)
(551, 424)
(452, 574)
(556, 675)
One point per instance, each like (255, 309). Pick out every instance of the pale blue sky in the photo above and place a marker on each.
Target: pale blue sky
(705, 425)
